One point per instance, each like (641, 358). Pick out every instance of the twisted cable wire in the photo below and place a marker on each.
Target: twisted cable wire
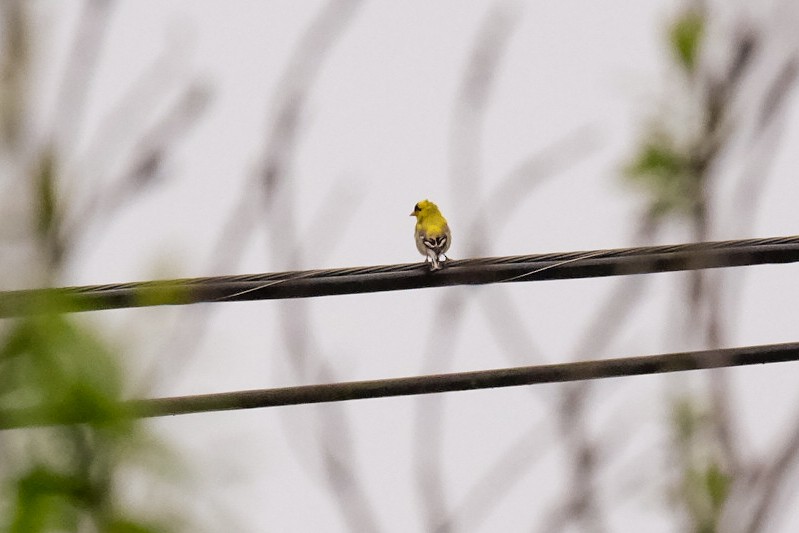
(365, 279)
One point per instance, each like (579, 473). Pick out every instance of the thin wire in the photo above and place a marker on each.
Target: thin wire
(482, 379)
(352, 280)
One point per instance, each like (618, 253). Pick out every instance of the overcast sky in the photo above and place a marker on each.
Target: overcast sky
(375, 137)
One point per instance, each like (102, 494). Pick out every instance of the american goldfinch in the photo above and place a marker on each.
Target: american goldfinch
(432, 233)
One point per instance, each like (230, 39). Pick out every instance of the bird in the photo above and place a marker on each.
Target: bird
(432, 234)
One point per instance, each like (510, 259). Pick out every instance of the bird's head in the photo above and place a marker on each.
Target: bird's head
(423, 209)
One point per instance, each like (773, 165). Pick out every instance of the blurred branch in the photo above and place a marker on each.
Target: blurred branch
(512, 464)
(471, 103)
(182, 343)
(146, 161)
(468, 114)
(767, 108)
(155, 144)
(288, 102)
(274, 178)
(15, 34)
(769, 483)
(511, 191)
(132, 110)
(339, 456)
(777, 93)
(66, 478)
(79, 71)
(502, 319)
(681, 166)
(581, 505)
(515, 188)
(511, 334)
(428, 422)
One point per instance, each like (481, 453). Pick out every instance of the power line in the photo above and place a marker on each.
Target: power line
(483, 379)
(311, 283)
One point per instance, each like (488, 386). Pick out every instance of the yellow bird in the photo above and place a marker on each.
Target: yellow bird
(432, 233)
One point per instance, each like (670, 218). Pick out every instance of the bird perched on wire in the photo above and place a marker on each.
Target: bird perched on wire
(432, 233)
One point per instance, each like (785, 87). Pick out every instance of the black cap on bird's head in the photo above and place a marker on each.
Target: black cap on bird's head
(419, 207)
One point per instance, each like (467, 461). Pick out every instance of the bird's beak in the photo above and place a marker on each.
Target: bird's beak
(412, 214)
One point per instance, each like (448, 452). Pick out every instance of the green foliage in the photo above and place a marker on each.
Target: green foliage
(685, 37)
(59, 369)
(703, 485)
(47, 500)
(163, 293)
(55, 373)
(64, 477)
(685, 421)
(668, 175)
(47, 214)
(128, 526)
(46, 194)
(717, 487)
(670, 163)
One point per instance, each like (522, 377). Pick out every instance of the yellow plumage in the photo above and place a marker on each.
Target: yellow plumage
(432, 234)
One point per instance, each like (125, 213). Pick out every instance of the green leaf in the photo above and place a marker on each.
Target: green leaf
(130, 526)
(46, 193)
(685, 36)
(717, 484)
(668, 175)
(45, 501)
(656, 158)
